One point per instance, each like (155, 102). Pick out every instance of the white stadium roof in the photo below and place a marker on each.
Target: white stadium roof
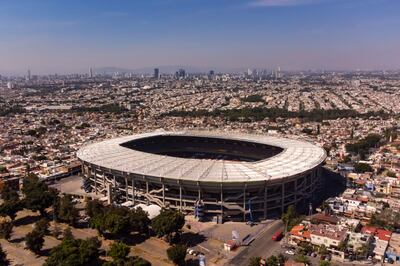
(297, 157)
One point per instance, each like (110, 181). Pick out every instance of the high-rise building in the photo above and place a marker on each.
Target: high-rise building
(90, 73)
(211, 74)
(156, 73)
(180, 74)
(29, 74)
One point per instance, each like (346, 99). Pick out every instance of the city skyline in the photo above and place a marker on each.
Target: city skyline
(59, 37)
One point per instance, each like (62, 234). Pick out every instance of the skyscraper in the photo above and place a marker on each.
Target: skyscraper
(180, 74)
(156, 73)
(90, 73)
(29, 74)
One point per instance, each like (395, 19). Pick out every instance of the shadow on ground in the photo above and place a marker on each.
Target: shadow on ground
(135, 239)
(17, 240)
(192, 262)
(30, 219)
(192, 239)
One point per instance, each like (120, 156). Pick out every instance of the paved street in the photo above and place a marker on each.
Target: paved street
(263, 246)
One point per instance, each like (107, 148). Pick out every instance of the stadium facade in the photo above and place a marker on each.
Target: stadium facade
(229, 175)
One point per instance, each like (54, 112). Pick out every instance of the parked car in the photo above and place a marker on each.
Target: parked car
(290, 252)
(277, 236)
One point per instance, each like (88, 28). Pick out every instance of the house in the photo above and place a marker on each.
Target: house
(382, 238)
(357, 241)
(393, 250)
(298, 234)
(327, 235)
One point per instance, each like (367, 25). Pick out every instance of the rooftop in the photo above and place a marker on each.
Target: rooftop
(296, 157)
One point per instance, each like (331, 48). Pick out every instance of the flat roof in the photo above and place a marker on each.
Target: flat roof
(297, 157)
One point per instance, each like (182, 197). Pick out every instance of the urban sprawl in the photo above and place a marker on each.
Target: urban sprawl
(46, 207)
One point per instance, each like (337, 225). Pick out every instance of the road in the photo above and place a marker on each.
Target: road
(262, 246)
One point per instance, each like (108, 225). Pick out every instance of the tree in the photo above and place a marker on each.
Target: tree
(302, 259)
(11, 204)
(93, 208)
(3, 258)
(75, 252)
(289, 218)
(10, 208)
(168, 222)
(116, 224)
(34, 241)
(362, 251)
(272, 261)
(3, 169)
(281, 259)
(342, 246)
(177, 254)
(139, 220)
(362, 168)
(38, 196)
(113, 221)
(6, 227)
(67, 234)
(136, 261)
(119, 251)
(66, 211)
(254, 261)
(323, 250)
(324, 263)
(42, 226)
(9, 194)
(118, 221)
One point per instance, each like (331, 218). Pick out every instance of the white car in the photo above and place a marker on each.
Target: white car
(289, 252)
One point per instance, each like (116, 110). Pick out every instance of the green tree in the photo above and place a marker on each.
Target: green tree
(116, 224)
(3, 258)
(342, 246)
(324, 263)
(323, 250)
(42, 226)
(139, 220)
(119, 251)
(362, 168)
(6, 227)
(3, 169)
(66, 210)
(254, 261)
(8, 193)
(272, 261)
(38, 196)
(136, 261)
(10, 208)
(177, 254)
(289, 218)
(118, 221)
(75, 252)
(34, 241)
(281, 259)
(67, 234)
(362, 251)
(391, 174)
(302, 259)
(168, 222)
(93, 208)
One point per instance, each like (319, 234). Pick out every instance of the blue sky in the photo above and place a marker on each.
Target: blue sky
(51, 36)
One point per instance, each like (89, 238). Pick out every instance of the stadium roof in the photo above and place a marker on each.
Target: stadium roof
(297, 157)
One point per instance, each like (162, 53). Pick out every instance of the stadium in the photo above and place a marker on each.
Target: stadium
(227, 175)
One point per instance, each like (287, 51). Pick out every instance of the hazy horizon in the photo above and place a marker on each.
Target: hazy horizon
(70, 37)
